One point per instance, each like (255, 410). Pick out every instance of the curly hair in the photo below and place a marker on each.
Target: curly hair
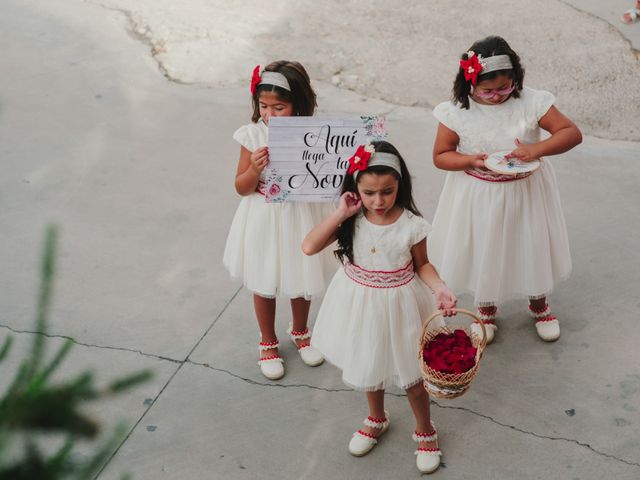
(488, 47)
(346, 230)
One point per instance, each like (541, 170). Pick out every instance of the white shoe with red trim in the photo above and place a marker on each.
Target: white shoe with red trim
(487, 315)
(309, 355)
(272, 366)
(547, 325)
(427, 459)
(362, 442)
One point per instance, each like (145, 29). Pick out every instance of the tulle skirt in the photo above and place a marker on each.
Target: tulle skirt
(264, 248)
(373, 334)
(501, 240)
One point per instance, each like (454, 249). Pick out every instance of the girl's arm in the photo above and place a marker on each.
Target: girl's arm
(564, 136)
(250, 165)
(445, 156)
(444, 296)
(324, 234)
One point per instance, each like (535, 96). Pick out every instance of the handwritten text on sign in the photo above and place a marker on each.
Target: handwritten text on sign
(308, 155)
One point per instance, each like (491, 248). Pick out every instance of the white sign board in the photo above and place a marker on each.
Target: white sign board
(308, 156)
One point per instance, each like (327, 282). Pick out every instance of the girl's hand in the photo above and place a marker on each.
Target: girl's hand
(477, 161)
(259, 159)
(446, 300)
(350, 204)
(524, 152)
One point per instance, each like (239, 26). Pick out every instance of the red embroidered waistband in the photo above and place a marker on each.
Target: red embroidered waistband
(380, 278)
(496, 177)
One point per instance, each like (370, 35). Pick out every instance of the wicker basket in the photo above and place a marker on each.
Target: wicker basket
(450, 385)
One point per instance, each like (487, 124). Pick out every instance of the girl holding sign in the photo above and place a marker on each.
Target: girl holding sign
(371, 317)
(263, 246)
(499, 231)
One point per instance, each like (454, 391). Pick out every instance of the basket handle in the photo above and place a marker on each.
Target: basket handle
(438, 313)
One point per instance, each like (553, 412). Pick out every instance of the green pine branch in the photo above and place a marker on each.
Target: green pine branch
(33, 405)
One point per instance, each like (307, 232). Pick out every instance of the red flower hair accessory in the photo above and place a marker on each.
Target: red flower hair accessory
(471, 67)
(255, 79)
(360, 160)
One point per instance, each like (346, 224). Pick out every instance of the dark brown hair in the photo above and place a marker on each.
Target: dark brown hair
(301, 96)
(345, 231)
(488, 47)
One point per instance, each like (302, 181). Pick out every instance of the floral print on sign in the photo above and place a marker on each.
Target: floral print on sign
(275, 191)
(375, 127)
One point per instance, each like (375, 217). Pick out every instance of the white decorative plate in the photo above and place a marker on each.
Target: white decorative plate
(496, 162)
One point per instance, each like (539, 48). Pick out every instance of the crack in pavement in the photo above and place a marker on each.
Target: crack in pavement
(272, 384)
(106, 347)
(124, 440)
(143, 34)
(125, 349)
(181, 364)
(465, 409)
(296, 385)
(537, 435)
(612, 27)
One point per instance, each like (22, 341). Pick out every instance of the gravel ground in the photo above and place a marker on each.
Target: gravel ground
(402, 52)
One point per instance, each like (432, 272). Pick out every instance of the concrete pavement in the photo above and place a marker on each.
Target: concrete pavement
(611, 12)
(138, 173)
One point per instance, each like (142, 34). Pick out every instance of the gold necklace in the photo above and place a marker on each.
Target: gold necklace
(374, 239)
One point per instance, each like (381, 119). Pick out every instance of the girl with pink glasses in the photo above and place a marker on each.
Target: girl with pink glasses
(501, 236)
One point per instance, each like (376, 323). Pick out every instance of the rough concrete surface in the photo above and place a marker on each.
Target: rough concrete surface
(403, 52)
(138, 173)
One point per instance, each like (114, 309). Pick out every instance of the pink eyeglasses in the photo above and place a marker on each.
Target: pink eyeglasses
(493, 93)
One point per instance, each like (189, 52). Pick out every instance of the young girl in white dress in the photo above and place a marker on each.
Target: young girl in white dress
(370, 320)
(263, 246)
(500, 236)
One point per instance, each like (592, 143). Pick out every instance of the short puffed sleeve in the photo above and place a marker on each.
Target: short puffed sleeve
(241, 135)
(446, 114)
(420, 228)
(542, 102)
(251, 136)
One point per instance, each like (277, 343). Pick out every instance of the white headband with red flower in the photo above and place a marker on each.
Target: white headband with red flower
(366, 156)
(262, 77)
(475, 65)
